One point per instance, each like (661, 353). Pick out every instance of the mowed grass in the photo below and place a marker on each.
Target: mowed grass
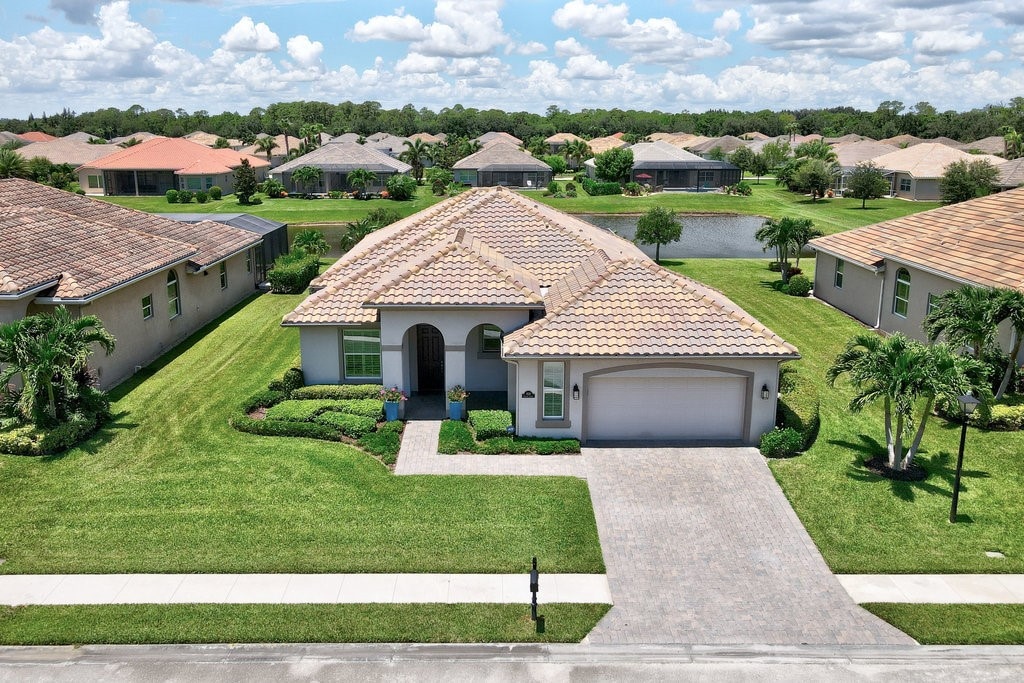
(829, 215)
(356, 623)
(861, 522)
(955, 624)
(168, 486)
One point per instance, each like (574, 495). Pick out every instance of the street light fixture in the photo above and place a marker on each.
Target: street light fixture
(967, 405)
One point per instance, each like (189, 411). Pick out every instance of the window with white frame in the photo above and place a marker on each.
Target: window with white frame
(840, 267)
(223, 275)
(554, 390)
(490, 339)
(933, 301)
(901, 295)
(94, 181)
(904, 184)
(173, 295)
(194, 184)
(147, 307)
(361, 349)
(248, 260)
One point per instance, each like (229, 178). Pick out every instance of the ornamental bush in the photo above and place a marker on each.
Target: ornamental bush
(401, 187)
(299, 411)
(354, 426)
(293, 272)
(553, 187)
(202, 197)
(185, 196)
(309, 430)
(799, 285)
(594, 188)
(490, 423)
(338, 392)
(781, 443)
(216, 193)
(172, 196)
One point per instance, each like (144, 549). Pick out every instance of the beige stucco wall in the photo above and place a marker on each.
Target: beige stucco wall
(140, 341)
(921, 189)
(13, 309)
(858, 296)
(762, 412)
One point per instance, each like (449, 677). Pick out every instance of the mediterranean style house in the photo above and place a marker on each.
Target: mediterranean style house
(152, 281)
(888, 275)
(581, 333)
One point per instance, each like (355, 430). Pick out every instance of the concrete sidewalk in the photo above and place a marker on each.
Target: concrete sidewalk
(94, 589)
(935, 588)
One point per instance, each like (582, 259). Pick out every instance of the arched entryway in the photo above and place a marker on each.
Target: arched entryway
(429, 354)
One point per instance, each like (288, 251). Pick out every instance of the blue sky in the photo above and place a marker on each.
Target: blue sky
(672, 55)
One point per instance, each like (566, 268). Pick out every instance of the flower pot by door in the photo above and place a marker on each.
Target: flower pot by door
(455, 410)
(391, 410)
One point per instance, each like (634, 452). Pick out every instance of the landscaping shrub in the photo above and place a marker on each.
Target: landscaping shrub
(367, 407)
(172, 196)
(634, 189)
(293, 272)
(335, 194)
(31, 440)
(384, 443)
(570, 193)
(401, 187)
(553, 187)
(216, 192)
(495, 446)
(309, 430)
(594, 188)
(775, 266)
(293, 379)
(490, 423)
(202, 197)
(185, 196)
(455, 438)
(528, 445)
(579, 177)
(799, 286)
(272, 187)
(570, 187)
(299, 411)
(354, 426)
(338, 391)
(741, 188)
(781, 443)
(264, 399)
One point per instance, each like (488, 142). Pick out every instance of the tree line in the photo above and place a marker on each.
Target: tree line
(888, 119)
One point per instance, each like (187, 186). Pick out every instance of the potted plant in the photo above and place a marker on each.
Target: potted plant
(392, 397)
(456, 401)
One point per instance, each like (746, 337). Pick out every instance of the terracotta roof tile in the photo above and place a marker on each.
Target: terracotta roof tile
(928, 159)
(174, 154)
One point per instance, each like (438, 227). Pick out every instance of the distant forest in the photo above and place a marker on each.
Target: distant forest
(889, 119)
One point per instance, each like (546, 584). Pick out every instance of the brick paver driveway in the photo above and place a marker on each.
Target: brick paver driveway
(702, 547)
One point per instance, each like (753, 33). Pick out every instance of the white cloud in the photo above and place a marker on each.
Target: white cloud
(587, 67)
(248, 36)
(728, 22)
(1016, 44)
(531, 48)
(947, 42)
(596, 19)
(570, 47)
(400, 27)
(458, 30)
(77, 11)
(415, 63)
(304, 51)
(993, 57)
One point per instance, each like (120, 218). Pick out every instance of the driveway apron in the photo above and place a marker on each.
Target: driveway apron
(701, 546)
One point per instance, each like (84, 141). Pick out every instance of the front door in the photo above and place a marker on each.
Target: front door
(429, 359)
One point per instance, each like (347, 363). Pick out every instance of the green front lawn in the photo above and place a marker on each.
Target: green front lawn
(860, 522)
(361, 623)
(955, 624)
(169, 486)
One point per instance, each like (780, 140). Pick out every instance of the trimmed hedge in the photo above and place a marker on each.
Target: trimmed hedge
(292, 273)
(338, 392)
(354, 426)
(490, 423)
(455, 438)
(781, 443)
(310, 430)
(798, 285)
(264, 399)
(30, 440)
(594, 188)
(385, 442)
(299, 411)
(291, 380)
(366, 407)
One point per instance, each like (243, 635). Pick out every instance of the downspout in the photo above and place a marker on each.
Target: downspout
(881, 296)
(516, 397)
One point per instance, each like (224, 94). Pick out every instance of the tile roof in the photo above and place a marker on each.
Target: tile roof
(849, 137)
(928, 159)
(598, 145)
(37, 136)
(285, 143)
(654, 155)
(849, 154)
(141, 136)
(428, 138)
(1011, 173)
(727, 143)
(904, 140)
(210, 139)
(754, 135)
(344, 157)
(81, 136)
(182, 156)
(495, 247)
(994, 145)
(501, 156)
(67, 151)
(561, 138)
(85, 246)
(498, 136)
(979, 241)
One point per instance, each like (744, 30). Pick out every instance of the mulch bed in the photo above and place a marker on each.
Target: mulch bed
(880, 466)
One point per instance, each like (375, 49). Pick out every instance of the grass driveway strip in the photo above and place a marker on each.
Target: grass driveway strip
(169, 486)
(353, 623)
(955, 624)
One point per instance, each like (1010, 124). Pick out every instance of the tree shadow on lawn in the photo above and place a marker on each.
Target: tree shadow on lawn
(98, 440)
(938, 466)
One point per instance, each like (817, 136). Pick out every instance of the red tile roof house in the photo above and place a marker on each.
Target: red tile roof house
(160, 164)
(577, 330)
(152, 281)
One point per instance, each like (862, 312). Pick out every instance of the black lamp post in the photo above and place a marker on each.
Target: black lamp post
(967, 405)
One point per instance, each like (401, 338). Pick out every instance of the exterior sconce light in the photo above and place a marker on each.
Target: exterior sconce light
(575, 392)
(765, 394)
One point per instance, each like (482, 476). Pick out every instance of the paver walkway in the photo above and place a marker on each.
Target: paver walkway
(419, 456)
(96, 589)
(935, 588)
(701, 546)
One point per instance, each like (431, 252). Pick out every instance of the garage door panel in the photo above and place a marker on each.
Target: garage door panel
(666, 408)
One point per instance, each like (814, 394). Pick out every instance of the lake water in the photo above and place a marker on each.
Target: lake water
(704, 236)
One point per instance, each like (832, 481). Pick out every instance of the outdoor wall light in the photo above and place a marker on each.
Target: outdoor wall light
(967, 405)
(575, 392)
(764, 392)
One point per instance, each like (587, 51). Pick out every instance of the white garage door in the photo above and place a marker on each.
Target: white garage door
(660, 408)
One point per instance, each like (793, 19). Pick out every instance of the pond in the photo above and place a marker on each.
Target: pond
(704, 235)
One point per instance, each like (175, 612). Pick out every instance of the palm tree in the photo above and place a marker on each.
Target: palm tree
(359, 178)
(310, 134)
(1014, 142)
(306, 176)
(782, 236)
(130, 142)
(267, 146)
(416, 152)
(968, 316)
(575, 151)
(815, 149)
(312, 242)
(12, 164)
(803, 232)
(356, 231)
(1011, 308)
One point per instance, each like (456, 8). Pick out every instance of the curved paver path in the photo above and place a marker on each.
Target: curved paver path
(702, 546)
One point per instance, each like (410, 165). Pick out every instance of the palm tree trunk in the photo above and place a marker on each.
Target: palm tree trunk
(888, 430)
(1008, 373)
(920, 430)
(896, 457)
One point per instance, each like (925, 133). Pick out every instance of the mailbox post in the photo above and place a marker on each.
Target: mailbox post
(534, 588)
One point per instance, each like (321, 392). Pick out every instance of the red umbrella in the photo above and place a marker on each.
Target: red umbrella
(644, 176)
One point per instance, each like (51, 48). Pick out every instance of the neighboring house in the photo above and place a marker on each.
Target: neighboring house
(160, 164)
(889, 274)
(336, 160)
(727, 144)
(492, 137)
(74, 152)
(82, 136)
(392, 145)
(903, 141)
(994, 145)
(598, 145)
(1011, 174)
(501, 163)
(210, 140)
(350, 137)
(579, 332)
(754, 135)
(273, 234)
(152, 281)
(557, 142)
(141, 136)
(7, 136)
(850, 154)
(848, 138)
(915, 171)
(429, 138)
(36, 136)
(278, 155)
(668, 167)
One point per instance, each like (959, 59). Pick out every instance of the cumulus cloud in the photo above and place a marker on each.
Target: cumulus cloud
(415, 63)
(570, 47)
(77, 11)
(728, 22)
(593, 19)
(947, 42)
(304, 51)
(531, 48)
(399, 27)
(458, 30)
(587, 67)
(248, 36)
